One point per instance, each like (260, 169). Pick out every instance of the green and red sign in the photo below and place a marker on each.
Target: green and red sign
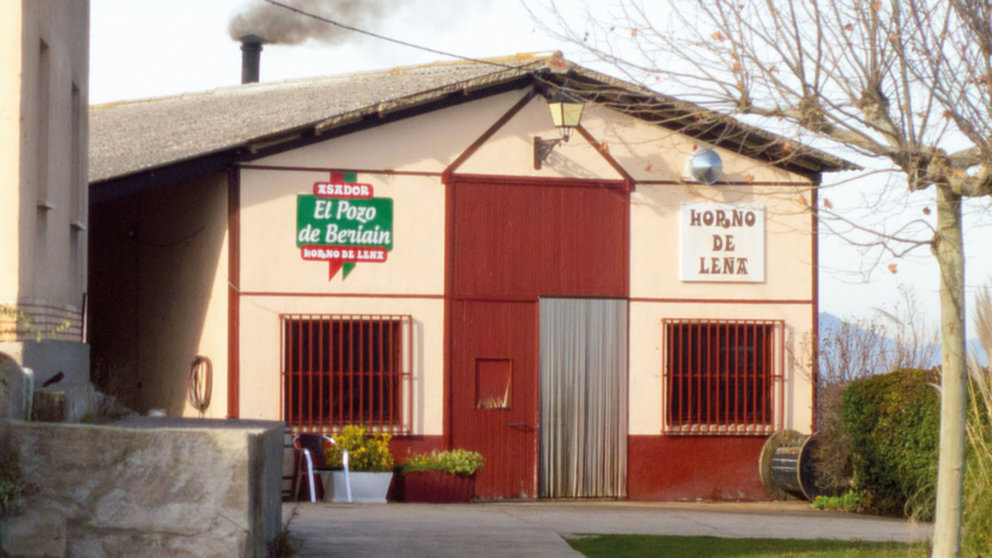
(343, 224)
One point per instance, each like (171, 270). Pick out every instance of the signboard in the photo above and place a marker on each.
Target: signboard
(722, 243)
(343, 224)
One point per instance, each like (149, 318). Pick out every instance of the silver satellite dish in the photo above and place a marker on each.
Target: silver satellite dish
(704, 166)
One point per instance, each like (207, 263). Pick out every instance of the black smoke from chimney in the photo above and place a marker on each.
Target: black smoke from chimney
(280, 26)
(251, 51)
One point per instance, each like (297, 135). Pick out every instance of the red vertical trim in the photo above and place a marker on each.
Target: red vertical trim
(534, 420)
(379, 374)
(781, 382)
(815, 296)
(362, 366)
(696, 417)
(233, 290)
(409, 374)
(678, 334)
(298, 372)
(340, 372)
(732, 414)
(283, 371)
(320, 369)
(449, 276)
(723, 378)
(349, 367)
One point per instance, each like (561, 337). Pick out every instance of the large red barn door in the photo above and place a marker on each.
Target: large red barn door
(510, 243)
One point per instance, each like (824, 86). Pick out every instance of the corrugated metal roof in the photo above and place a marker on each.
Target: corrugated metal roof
(135, 136)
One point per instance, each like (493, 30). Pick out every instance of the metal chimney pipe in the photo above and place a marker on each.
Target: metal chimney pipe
(251, 50)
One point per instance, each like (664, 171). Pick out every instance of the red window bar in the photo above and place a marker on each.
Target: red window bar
(340, 369)
(720, 376)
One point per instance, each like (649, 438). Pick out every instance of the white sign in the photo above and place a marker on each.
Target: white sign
(722, 242)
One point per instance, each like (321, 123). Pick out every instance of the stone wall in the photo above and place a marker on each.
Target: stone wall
(66, 364)
(147, 487)
(14, 392)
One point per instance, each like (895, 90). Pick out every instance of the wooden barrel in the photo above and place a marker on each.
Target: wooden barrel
(786, 466)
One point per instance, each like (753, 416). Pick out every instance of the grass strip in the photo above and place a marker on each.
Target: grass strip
(655, 546)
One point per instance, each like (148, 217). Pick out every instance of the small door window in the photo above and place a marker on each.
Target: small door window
(493, 380)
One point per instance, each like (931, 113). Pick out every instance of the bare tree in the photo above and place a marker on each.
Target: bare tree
(897, 336)
(904, 83)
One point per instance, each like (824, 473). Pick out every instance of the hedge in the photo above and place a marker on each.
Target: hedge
(893, 422)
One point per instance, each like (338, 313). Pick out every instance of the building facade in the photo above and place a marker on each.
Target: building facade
(599, 323)
(43, 200)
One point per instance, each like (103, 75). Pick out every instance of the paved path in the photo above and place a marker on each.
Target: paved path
(524, 529)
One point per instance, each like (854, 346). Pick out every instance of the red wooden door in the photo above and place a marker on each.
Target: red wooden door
(510, 243)
(494, 393)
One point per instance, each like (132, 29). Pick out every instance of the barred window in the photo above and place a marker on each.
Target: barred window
(719, 376)
(346, 369)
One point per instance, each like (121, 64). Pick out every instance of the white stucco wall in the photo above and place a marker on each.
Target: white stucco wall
(646, 399)
(404, 161)
(415, 266)
(10, 132)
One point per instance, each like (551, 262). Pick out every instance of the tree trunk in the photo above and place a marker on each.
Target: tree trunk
(949, 249)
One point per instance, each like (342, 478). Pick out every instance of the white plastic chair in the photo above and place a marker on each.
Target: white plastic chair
(308, 460)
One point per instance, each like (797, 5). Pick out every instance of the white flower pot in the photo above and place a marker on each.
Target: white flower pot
(366, 487)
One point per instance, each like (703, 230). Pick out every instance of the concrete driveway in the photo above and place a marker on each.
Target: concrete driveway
(523, 529)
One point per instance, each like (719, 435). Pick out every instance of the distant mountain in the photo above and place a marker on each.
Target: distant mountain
(830, 324)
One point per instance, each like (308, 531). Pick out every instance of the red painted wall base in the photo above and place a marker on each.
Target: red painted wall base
(666, 468)
(716, 468)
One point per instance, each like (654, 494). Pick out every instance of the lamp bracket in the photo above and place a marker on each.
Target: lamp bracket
(543, 148)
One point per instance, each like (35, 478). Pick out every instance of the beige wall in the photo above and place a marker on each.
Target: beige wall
(413, 276)
(43, 95)
(656, 231)
(159, 294)
(10, 132)
(260, 351)
(426, 143)
(646, 406)
(415, 266)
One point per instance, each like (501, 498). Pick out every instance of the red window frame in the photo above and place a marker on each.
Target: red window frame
(720, 376)
(341, 369)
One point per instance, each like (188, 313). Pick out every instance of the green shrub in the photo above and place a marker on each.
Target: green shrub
(366, 452)
(456, 462)
(847, 502)
(893, 422)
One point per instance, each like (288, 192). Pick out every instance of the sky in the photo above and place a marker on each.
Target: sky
(153, 48)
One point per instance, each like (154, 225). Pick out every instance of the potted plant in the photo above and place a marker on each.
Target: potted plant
(441, 476)
(370, 465)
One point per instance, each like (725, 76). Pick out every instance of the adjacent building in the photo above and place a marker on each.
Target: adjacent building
(43, 197)
(628, 313)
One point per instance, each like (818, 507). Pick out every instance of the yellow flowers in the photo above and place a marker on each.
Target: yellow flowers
(366, 452)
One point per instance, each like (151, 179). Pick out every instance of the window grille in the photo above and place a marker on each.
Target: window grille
(720, 376)
(347, 369)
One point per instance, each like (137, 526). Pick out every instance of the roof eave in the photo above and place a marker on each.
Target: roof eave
(713, 127)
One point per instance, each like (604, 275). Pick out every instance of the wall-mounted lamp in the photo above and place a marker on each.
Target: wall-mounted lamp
(566, 112)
